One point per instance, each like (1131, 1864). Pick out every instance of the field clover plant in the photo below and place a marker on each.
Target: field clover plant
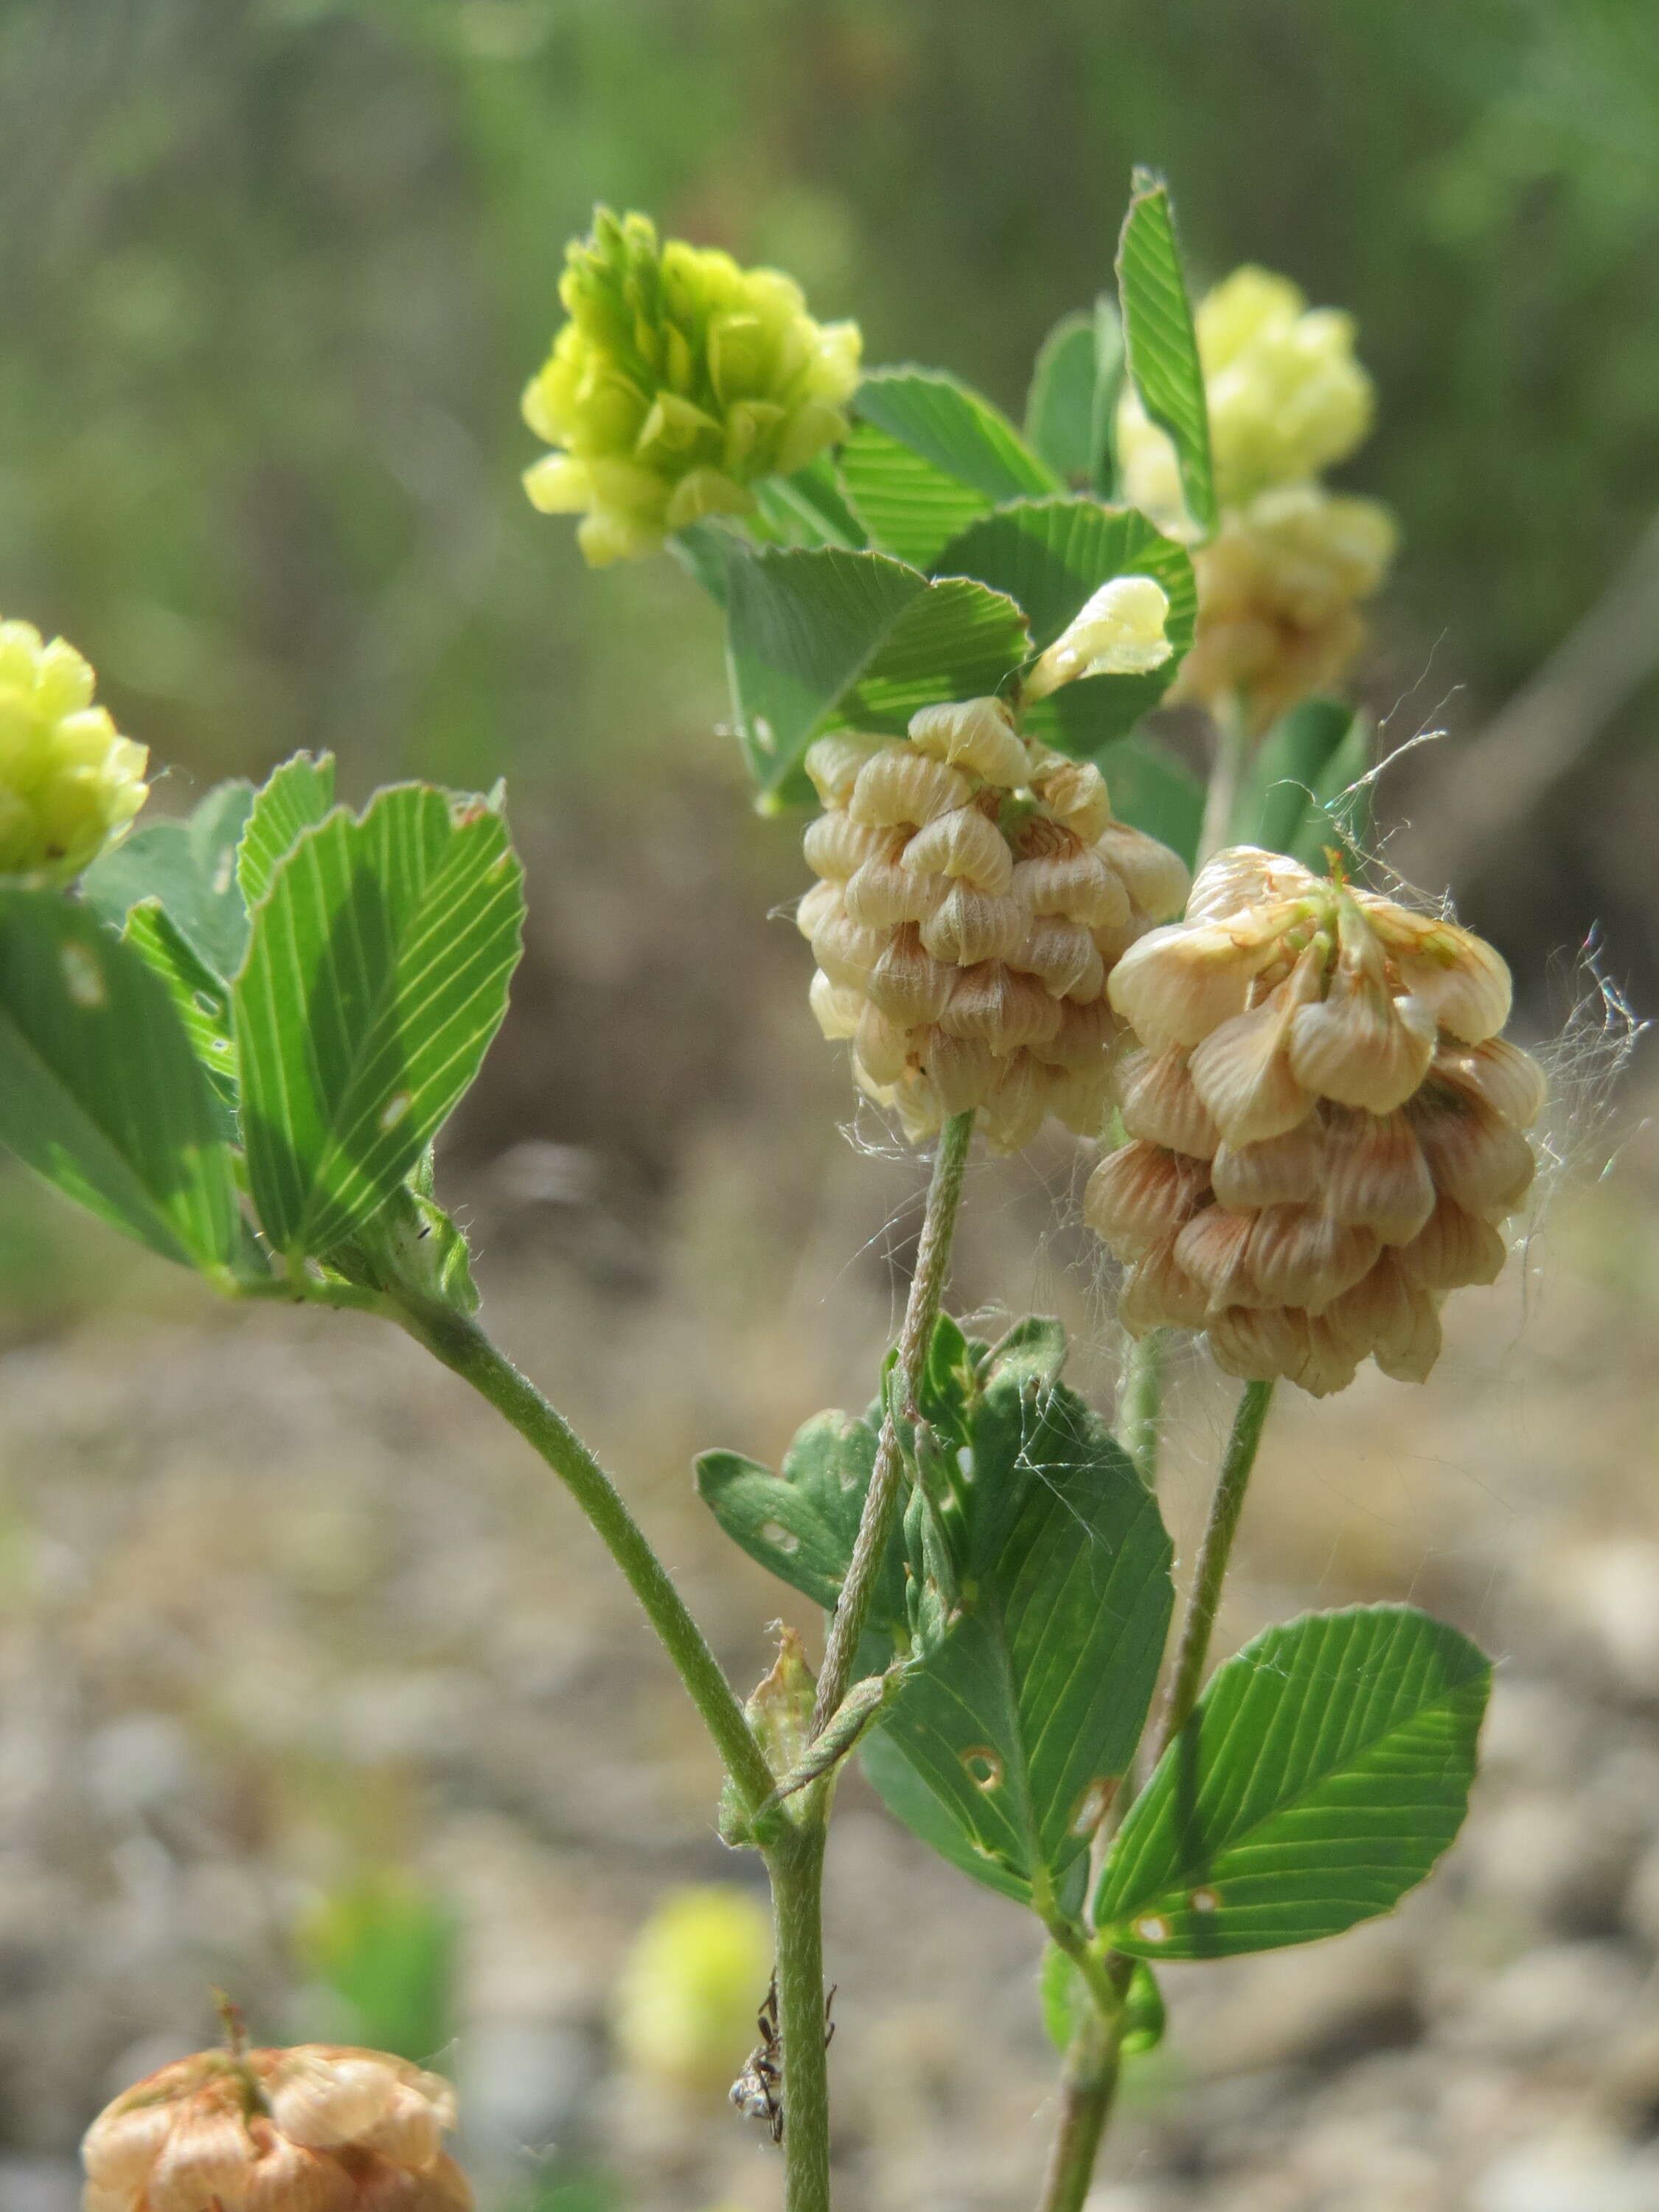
(237, 1036)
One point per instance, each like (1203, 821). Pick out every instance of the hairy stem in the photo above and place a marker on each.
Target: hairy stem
(795, 1864)
(464, 1347)
(1087, 2087)
(1225, 1506)
(1140, 1403)
(882, 1500)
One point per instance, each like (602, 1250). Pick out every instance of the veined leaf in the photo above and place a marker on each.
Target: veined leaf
(809, 508)
(100, 1091)
(825, 638)
(1293, 797)
(376, 976)
(926, 456)
(1161, 344)
(200, 998)
(1073, 397)
(190, 867)
(1049, 555)
(803, 1522)
(1326, 1768)
(1023, 1719)
(296, 797)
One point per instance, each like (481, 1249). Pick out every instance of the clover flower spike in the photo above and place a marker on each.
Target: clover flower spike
(319, 2128)
(679, 380)
(974, 891)
(69, 783)
(1325, 1128)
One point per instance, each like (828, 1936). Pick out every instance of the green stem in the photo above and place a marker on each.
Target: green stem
(795, 1864)
(1214, 1554)
(882, 1499)
(464, 1348)
(1141, 1402)
(1087, 2088)
(1226, 774)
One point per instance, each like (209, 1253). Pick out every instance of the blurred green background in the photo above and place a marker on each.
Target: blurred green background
(272, 275)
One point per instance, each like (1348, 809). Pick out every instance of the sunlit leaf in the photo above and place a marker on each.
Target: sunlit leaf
(295, 797)
(376, 976)
(190, 868)
(1161, 344)
(927, 456)
(100, 1091)
(1074, 391)
(1326, 1769)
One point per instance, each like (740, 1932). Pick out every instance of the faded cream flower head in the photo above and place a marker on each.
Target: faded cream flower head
(678, 380)
(1279, 589)
(319, 2128)
(70, 782)
(1325, 1126)
(976, 891)
(1286, 397)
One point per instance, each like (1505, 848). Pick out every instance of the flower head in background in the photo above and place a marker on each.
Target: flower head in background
(975, 892)
(1326, 1127)
(690, 1988)
(1279, 589)
(1286, 397)
(679, 380)
(319, 2128)
(70, 782)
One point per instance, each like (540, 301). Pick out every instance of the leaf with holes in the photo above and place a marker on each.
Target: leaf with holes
(1160, 342)
(803, 1522)
(1073, 397)
(190, 868)
(376, 976)
(1050, 556)
(826, 639)
(1326, 1768)
(927, 456)
(100, 1091)
(1020, 1724)
(295, 797)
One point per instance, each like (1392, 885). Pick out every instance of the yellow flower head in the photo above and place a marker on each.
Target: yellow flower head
(69, 783)
(678, 380)
(1286, 397)
(691, 1987)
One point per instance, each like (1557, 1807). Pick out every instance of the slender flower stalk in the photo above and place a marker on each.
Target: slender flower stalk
(881, 1502)
(1187, 1676)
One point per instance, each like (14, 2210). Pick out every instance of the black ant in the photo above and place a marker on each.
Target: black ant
(757, 2093)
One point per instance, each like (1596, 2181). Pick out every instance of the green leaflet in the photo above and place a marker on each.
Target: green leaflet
(1019, 1722)
(201, 998)
(1073, 397)
(821, 639)
(190, 868)
(1050, 556)
(1161, 344)
(100, 1092)
(927, 456)
(376, 976)
(1152, 790)
(1326, 1768)
(296, 797)
(1297, 797)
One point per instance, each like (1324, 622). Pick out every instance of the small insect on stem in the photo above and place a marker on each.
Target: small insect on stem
(757, 2093)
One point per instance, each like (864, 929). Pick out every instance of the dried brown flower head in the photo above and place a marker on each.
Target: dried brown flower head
(1325, 1126)
(974, 893)
(319, 2128)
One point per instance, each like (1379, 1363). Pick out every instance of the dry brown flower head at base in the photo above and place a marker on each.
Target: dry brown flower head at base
(317, 2127)
(975, 892)
(1325, 1128)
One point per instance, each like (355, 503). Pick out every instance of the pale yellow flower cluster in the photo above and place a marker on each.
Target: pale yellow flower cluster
(1326, 1129)
(679, 380)
(70, 782)
(1281, 580)
(975, 892)
(319, 2128)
